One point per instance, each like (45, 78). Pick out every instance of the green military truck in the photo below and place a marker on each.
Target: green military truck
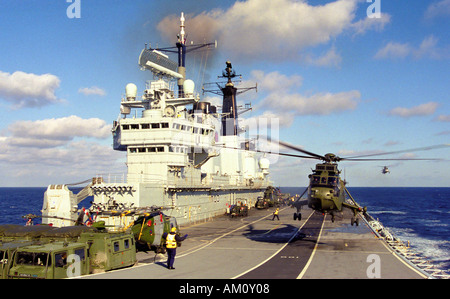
(47, 252)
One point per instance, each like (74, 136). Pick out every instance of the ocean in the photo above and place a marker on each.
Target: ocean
(418, 215)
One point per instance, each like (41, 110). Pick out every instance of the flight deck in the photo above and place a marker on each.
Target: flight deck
(255, 247)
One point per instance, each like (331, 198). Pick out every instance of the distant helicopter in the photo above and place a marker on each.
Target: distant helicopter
(326, 190)
(385, 170)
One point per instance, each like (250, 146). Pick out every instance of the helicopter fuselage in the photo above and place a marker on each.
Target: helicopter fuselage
(326, 189)
(324, 199)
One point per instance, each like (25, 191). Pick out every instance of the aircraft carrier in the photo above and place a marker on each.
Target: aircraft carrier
(192, 163)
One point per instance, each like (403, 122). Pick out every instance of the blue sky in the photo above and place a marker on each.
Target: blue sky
(337, 80)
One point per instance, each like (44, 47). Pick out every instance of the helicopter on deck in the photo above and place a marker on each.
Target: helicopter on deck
(326, 191)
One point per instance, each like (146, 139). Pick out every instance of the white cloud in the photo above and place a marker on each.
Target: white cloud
(47, 151)
(56, 132)
(324, 103)
(378, 24)
(438, 9)
(281, 29)
(331, 58)
(427, 49)
(276, 119)
(281, 100)
(94, 90)
(420, 110)
(393, 50)
(274, 81)
(28, 90)
(443, 118)
(78, 160)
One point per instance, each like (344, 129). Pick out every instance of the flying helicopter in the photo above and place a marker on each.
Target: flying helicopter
(326, 191)
(385, 169)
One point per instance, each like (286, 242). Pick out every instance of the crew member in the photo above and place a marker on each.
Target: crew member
(171, 245)
(275, 214)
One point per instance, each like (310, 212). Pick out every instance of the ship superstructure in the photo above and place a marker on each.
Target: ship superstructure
(183, 155)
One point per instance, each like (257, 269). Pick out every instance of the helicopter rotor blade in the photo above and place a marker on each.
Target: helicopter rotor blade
(296, 148)
(401, 151)
(394, 159)
(267, 152)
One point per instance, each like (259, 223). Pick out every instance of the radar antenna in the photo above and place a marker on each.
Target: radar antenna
(163, 66)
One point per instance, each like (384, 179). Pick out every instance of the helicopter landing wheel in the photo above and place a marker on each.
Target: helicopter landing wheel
(355, 220)
(332, 218)
(160, 249)
(298, 216)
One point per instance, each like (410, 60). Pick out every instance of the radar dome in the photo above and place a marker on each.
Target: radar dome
(131, 91)
(264, 164)
(188, 87)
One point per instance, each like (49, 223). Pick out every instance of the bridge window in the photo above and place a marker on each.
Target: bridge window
(164, 125)
(116, 246)
(145, 126)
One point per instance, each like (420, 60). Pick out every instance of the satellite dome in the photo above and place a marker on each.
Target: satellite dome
(188, 87)
(264, 163)
(131, 91)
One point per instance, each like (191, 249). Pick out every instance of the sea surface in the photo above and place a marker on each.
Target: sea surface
(418, 215)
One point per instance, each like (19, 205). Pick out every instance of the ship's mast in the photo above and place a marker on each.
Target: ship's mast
(151, 58)
(181, 45)
(229, 109)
